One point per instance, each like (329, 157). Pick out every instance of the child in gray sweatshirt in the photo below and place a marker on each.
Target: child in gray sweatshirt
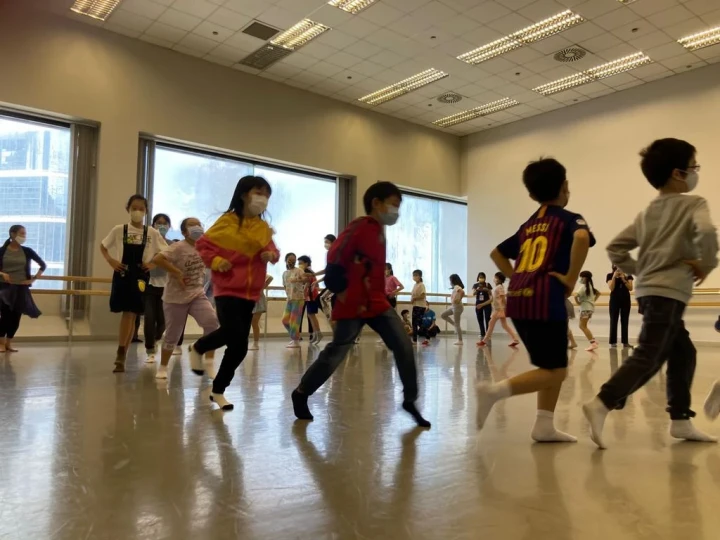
(678, 247)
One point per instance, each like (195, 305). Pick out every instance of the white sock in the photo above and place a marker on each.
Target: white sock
(684, 429)
(487, 396)
(712, 402)
(162, 372)
(544, 429)
(223, 403)
(596, 412)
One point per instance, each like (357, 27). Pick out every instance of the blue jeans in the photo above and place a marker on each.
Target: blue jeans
(389, 327)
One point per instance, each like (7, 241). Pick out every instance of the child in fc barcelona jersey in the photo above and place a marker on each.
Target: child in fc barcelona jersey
(549, 251)
(355, 273)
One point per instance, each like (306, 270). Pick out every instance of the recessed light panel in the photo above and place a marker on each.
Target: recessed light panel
(602, 71)
(352, 6)
(97, 9)
(404, 87)
(300, 34)
(483, 110)
(701, 39)
(535, 32)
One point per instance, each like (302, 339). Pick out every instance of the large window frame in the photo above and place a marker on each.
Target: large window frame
(435, 276)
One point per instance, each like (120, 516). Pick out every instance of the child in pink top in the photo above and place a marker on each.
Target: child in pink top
(185, 292)
(392, 285)
(499, 304)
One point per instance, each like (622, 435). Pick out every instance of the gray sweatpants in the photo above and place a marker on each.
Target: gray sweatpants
(453, 316)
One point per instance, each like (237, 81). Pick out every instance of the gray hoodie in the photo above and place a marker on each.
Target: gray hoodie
(674, 228)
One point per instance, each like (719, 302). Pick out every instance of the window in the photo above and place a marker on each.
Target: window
(302, 209)
(35, 187)
(431, 235)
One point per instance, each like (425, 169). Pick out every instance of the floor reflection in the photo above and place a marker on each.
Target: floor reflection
(91, 455)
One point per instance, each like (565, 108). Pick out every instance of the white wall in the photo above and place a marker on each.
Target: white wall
(64, 67)
(598, 141)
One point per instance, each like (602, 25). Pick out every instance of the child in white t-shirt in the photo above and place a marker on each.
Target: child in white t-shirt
(586, 297)
(419, 295)
(453, 315)
(499, 303)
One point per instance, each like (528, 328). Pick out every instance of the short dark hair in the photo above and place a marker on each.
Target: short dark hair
(500, 277)
(380, 191)
(404, 311)
(162, 216)
(184, 222)
(136, 197)
(662, 157)
(330, 238)
(305, 259)
(544, 179)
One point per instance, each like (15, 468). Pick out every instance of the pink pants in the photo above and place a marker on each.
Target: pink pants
(176, 315)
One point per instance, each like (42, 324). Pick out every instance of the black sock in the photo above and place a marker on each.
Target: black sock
(300, 406)
(409, 406)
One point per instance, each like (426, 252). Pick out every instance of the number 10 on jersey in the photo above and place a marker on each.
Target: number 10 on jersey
(532, 254)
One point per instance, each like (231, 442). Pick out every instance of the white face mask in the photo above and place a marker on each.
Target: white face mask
(195, 232)
(258, 204)
(21, 239)
(137, 216)
(390, 216)
(692, 179)
(163, 230)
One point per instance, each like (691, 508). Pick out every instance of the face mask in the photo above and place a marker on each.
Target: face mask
(692, 180)
(390, 216)
(137, 216)
(258, 204)
(327, 245)
(195, 232)
(481, 280)
(163, 230)
(21, 239)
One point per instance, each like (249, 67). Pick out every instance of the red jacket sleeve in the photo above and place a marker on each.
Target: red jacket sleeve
(272, 248)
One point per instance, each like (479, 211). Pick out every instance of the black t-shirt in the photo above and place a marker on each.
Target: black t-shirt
(482, 292)
(620, 292)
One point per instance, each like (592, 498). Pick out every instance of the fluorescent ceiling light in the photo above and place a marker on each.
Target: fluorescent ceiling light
(602, 71)
(352, 6)
(404, 87)
(97, 9)
(701, 39)
(300, 34)
(535, 32)
(483, 110)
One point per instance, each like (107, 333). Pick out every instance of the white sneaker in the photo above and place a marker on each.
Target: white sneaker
(458, 343)
(318, 337)
(196, 361)
(162, 372)
(254, 347)
(223, 403)
(150, 358)
(592, 346)
(178, 351)
(293, 345)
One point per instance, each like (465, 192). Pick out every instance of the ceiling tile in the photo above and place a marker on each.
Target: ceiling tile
(679, 61)
(198, 8)
(433, 37)
(220, 61)
(319, 50)
(583, 32)
(524, 55)
(541, 9)
(165, 32)
(229, 53)
(359, 27)
(385, 38)
(244, 41)
(301, 7)
(592, 88)
(435, 11)
(616, 52)
(455, 47)
(337, 39)
(690, 26)
(712, 18)
(654, 39)
(457, 26)
(619, 80)
(130, 21)
(157, 41)
(510, 23)
(601, 43)
(146, 8)
(488, 12)
(213, 31)
(708, 53)
(663, 52)
(408, 6)
(251, 8)
(331, 16)
(285, 70)
(410, 25)
(300, 60)
(368, 68)
(629, 85)
(644, 72)
(326, 68)
(198, 43)
(497, 65)
(363, 49)
(278, 17)
(515, 74)
(482, 35)
(702, 7)
(187, 50)
(122, 30)
(635, 30)
(178, 19)
(645, 9)
(552, 44)
(168, 3)
(229, 19)
(669, 17)
(382, 14)
(593, 9)
(515, 4)
(343, 59)
(689, 67)
(616, 19)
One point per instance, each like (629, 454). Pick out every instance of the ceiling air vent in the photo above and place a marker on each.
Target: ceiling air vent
(571, 54)
(265, 56)
(260, 30)
(449, 97)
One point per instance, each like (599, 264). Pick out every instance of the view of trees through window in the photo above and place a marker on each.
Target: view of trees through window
(302, 208)
(431, 235)
(34, 187)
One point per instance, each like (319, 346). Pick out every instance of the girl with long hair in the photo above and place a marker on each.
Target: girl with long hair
(453, 315)
(237, 248)
(586, 297)
(499, 306)
(294, 283)
(154, 316)
(16, 280)
(129, 250)
(392, 285)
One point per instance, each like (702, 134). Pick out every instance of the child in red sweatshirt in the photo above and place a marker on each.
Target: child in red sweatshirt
(237, 249)
(356, 274)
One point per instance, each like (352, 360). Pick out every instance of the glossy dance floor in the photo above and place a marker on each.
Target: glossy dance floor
(87, 454)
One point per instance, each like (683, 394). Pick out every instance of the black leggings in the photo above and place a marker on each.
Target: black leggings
(619, 309)
(154, 316)
(417, 317)
(483, 317)
(235, 318)
(9, 322)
